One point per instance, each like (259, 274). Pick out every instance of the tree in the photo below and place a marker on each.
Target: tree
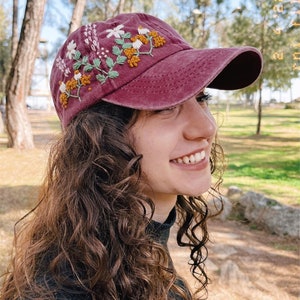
(196, 20)
(4, 50)
(19, 79)
(97, 10)
(15, 32)
(77, 15)
(267, 26)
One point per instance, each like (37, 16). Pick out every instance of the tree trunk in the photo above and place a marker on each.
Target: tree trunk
(18, 83)
(15, 32)
(259, 111)
(262, 42)
(77, 15)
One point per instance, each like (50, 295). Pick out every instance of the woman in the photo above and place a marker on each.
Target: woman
(137, 150)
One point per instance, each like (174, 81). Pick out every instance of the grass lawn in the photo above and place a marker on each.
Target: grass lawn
(268, 163)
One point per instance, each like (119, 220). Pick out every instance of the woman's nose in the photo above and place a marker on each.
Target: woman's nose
(199, 121)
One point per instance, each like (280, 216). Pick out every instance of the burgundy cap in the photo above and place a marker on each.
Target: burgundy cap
(139, 61)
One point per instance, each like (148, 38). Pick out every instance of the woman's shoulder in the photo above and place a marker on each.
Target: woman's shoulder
(66, 289)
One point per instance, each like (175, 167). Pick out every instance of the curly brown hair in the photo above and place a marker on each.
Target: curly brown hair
(88, 234)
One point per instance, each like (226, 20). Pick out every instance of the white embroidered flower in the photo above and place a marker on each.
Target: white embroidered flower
(77, 76)
(67, 72)
(60, 63)
(137, 44)
(62, 87)
(142, 30)
(71, 49)
(116, 32)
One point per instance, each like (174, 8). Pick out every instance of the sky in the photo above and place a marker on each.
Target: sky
(60, 15)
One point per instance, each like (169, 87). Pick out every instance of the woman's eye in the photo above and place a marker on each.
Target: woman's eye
(203, 98)
(166, 110)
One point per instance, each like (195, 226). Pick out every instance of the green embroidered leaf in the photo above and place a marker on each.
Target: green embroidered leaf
(113, 74)
(127, 45)
(97, 62)
(116, 50)
(101, 78)
(85, 59)
(77, 65)
(109, 62)
(77, 55)
(121, 59)
(119, 41)
(126, 35)
(88, 68)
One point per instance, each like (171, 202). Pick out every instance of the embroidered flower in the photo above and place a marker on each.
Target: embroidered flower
(142, 38)
(71, 49)
(130, 52)
(116, 32)
(142, 30)
(137, 44)
(157, 39)
(62, 87)
(72, 87)
(102, 62)
(91, 38)
(63, 100)
(77, 75)
(133, 61)
(61, 65)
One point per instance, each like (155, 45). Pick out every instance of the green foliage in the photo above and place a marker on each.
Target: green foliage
(267, 26)
(196, 20)
(100, 10)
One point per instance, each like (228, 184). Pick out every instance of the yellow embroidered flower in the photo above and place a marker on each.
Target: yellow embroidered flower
(140, 37)
(71, 84)
(158, 41)
(130, 52)
(85, 79)
(63, 98)
(153, 33)
(133, 61)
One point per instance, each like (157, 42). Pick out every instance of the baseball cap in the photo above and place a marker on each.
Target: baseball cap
(139, 61)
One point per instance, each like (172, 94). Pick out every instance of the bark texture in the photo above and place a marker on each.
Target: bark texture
(19, 80)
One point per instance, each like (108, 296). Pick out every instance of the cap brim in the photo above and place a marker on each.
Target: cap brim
(182, 75)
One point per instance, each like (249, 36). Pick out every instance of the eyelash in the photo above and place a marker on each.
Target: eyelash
(203, 97)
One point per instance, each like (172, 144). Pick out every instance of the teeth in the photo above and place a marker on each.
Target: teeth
(191, 159)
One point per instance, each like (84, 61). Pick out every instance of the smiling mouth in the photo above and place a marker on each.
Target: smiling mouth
(190, 159)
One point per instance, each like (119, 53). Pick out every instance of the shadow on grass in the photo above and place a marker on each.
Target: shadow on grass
(45, 127)
(17, 198)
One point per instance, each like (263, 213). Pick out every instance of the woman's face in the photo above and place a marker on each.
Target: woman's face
(175, 144)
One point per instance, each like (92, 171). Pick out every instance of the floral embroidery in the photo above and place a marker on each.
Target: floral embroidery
(60, 63)
(76, 82)
(116, 32)
(71, 49)
(127, 48)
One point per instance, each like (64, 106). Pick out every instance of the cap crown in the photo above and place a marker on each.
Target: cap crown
(101, 57)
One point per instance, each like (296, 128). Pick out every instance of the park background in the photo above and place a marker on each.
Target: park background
(267, 163)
